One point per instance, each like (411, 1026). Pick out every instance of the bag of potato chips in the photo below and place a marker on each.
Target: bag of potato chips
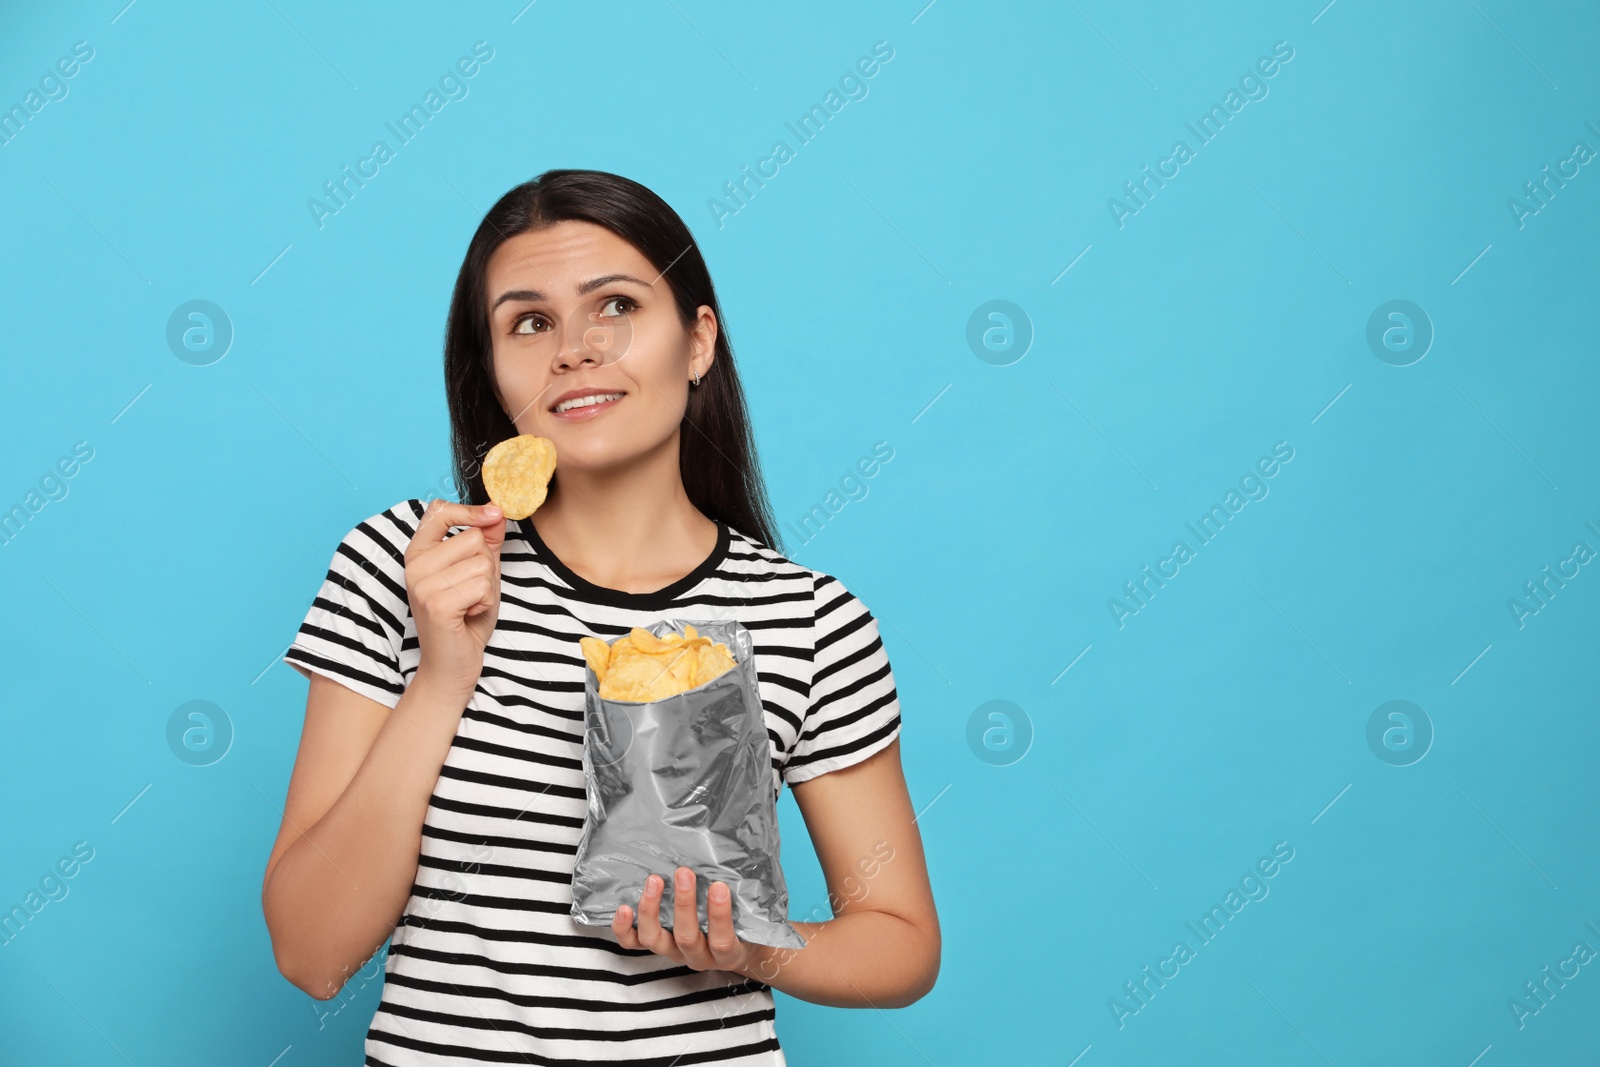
(683, 780)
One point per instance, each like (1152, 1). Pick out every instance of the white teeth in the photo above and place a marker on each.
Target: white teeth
(585, 401)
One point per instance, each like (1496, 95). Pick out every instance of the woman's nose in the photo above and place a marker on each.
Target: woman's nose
(594, 338)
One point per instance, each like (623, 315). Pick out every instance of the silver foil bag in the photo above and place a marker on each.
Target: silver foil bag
(685, 781)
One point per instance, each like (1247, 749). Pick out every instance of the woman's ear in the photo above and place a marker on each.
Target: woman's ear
(703, 348)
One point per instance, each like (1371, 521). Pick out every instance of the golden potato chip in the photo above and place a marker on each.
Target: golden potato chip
(714, 660)
(649, 643)
(639, 666)
(517, 471)
(630, 673)
(597, 653)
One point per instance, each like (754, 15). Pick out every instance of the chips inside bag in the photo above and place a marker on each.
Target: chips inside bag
(683, 781)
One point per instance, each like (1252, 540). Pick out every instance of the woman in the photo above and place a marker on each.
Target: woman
(438, 794)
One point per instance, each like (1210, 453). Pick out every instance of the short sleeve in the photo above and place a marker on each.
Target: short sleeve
(354, 628)
(854, 710)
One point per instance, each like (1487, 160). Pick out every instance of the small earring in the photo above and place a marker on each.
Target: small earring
(697, 378)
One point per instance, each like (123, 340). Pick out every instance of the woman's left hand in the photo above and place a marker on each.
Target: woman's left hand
(719, 950)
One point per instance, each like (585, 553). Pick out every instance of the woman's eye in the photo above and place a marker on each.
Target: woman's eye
(630, 305)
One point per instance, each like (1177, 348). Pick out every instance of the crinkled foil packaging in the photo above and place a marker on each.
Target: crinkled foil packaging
(685, 781)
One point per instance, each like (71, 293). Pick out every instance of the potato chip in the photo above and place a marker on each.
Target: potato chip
(647, 642)
(641, 667)
(517, 471)
(597, 653)
(714, 660)
(629, 676)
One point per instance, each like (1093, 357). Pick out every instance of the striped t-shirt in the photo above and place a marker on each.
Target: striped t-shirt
(486, 965)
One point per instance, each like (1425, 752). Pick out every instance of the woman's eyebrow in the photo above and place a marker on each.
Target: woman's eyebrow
(588, 286)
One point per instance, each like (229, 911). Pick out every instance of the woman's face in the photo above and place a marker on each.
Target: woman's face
(576, 307)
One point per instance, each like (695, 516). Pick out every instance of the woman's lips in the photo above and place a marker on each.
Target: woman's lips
(588, 411)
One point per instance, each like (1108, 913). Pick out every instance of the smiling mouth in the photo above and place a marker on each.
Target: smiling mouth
(584, 403)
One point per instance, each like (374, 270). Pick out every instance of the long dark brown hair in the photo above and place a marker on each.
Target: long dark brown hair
(717, 452)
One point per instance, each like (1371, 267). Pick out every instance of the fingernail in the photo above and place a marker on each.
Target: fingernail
(491, 512)
(719, 892)
(653, 884)
(685, 879)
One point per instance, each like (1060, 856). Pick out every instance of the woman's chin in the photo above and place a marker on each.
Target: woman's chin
(586, 461)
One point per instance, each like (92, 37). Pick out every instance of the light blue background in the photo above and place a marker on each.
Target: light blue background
(1230, 313)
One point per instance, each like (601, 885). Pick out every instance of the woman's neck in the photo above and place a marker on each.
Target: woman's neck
(631, 530)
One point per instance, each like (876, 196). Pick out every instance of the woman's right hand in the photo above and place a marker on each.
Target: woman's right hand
(453, 584)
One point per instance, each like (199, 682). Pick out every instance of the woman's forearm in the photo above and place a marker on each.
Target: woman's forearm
(861, 959)
(337, 892)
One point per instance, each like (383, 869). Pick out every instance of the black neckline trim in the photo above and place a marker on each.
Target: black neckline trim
(599, 594)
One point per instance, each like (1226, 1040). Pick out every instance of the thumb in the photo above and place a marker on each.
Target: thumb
(494, 528)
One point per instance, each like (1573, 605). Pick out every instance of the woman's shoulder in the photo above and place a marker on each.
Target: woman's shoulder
(402, 517)
(381, 538)
(753, 557)
(829, 593)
